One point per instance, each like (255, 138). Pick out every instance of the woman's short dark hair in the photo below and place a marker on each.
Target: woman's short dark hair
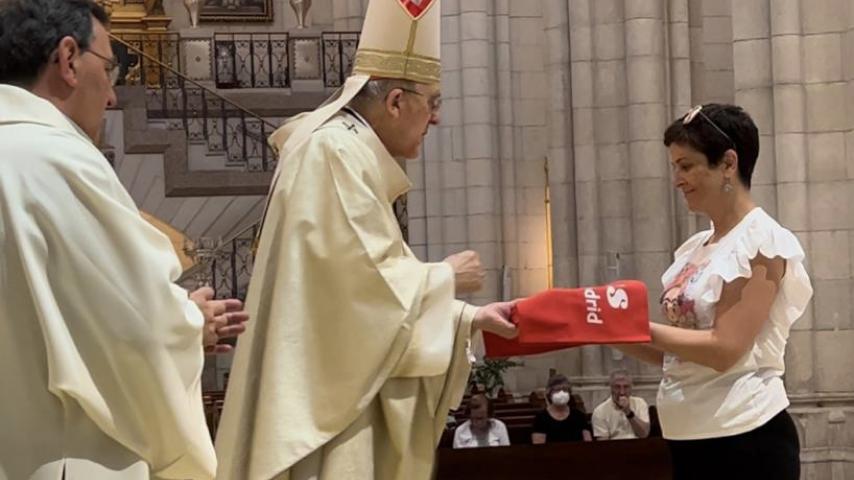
(30, 30)
(703, 137)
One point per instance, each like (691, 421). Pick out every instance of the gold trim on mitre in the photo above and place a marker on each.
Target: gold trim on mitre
(396, 45)
(390, 64)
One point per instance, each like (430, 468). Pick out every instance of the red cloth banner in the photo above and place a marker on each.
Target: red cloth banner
(569, 317)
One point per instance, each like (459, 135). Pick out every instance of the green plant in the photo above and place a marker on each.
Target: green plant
(490, 374)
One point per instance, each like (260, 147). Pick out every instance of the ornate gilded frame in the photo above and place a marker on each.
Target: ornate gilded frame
(241, 14)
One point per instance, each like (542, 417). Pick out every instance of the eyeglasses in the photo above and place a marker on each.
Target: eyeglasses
(434, 103)
(112, 66)
(698, 110)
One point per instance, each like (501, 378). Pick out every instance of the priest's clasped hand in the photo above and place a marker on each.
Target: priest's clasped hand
(468, 271)
(223, 319)
(495, 318)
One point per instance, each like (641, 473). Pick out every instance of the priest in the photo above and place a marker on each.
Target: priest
(102, 353)
(357, 349)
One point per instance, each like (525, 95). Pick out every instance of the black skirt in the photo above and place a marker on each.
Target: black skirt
(771, 451)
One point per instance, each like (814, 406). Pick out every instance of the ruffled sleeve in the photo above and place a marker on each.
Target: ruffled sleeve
(682, 255)
(762, 235)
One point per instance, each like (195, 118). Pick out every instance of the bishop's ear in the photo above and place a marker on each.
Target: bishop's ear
(392, 102)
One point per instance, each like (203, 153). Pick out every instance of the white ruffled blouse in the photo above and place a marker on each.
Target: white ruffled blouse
(695, 401)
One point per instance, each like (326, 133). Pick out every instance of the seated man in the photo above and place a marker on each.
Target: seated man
(621, 416)
(481, 430)
(561, 421)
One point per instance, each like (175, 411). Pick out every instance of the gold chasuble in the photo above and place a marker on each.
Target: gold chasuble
(101, 352)
(356, 349)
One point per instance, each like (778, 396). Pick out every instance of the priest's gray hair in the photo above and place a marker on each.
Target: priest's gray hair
(377, 90)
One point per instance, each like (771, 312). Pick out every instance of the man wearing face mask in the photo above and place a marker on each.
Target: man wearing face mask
(560, 421)
(621, 416)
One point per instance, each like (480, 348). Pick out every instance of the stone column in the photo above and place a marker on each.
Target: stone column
(648, 116)
(560, 140)
(717, 74)
(586, 185)
(480, 223)
(611, 117)
(685, 44)
(437, 204)
(348, 15)
(505, 148)
(456, 204)
(530, 100)
(561, 161)
(753, 90)
(790, 73)
(829, 121)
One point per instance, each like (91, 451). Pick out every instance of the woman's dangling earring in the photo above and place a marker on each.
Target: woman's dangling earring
(727, 186)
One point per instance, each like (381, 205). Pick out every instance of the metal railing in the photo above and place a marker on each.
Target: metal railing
(240, 60)
(159, 48)
(223, 126)
(339, 53)
(251, 60)
(225, 266)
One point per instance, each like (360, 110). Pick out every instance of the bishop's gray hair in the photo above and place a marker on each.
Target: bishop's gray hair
(376, 90)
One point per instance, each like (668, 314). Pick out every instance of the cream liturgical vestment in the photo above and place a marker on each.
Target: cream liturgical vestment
(101, 353)
(357, 349)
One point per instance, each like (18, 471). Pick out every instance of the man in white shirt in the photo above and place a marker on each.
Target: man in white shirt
(481, 430)
(621, 416)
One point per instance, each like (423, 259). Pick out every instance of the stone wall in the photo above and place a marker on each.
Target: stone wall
(589, 86)
(790, 63)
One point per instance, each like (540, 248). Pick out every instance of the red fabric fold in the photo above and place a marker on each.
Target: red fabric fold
(568, 317)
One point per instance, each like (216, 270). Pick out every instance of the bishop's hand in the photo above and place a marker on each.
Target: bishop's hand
(495, 318)
(468, 271)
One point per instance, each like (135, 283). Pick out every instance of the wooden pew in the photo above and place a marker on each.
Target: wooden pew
(519, 434)
(647, 459)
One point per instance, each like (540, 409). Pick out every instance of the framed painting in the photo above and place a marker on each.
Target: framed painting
(236, 11)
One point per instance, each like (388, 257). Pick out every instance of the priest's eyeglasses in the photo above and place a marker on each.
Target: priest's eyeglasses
(111, 66)
(698, 111)
(434, 103)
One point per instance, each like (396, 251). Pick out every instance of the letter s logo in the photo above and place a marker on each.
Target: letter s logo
(617, 298)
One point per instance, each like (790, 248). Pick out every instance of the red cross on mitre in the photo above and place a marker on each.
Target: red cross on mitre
(416, 8)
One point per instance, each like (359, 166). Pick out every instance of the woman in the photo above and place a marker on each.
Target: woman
(730, 298)
(560, 421)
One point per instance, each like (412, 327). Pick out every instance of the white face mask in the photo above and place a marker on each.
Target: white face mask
(560, 398)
